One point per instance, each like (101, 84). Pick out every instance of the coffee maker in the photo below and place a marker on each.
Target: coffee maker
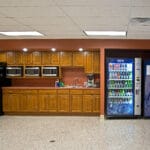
(90, 80)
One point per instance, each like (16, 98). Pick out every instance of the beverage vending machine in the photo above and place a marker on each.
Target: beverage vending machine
(146, 89)
(123, 87)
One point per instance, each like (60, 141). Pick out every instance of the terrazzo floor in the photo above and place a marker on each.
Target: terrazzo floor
(73, 133)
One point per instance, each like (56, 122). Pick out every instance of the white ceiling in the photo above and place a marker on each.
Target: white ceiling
(67, 19)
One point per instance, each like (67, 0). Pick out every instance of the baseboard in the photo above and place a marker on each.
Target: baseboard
(102, 116)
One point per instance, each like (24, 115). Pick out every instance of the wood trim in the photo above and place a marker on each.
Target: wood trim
(51, 114)
(102, 81)
(73, 44)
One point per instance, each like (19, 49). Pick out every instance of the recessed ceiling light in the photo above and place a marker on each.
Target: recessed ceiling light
(53, 49)
(25, 49)
(80, 49)
(24, 33)
(105, 33)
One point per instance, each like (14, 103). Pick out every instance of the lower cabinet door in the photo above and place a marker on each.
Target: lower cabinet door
(11, 102)
(29, 103)
(48, 103)
(63, 103)
(76, 103)
(87, 103)
(96, 104)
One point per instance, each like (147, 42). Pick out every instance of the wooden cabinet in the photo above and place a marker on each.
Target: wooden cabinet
(10, 58)
(91, 101)
(32, 58)
(78, 59)
(36, 58)
(28, 58)
(96, 62)
(48, 101)
(11, 102)
(20, 101)
(71, 101)
(63, 101)
(96, 103)
(76, 100)
(18, 58)
(87, 103)
(29, 102)
(88, 62)
(46, 59)
(50, 58)
(14, 58)
(55, 58)
(92, 62)
(65, 58)
(3, 57)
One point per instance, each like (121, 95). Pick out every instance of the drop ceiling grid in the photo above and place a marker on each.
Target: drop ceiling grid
(26, 3)
(55, 18)
(92, 2)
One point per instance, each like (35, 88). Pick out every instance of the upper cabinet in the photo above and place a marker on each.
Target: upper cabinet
(65, 58)
(55, 58)
(14, 58)
(32, 58)
(92, 62)
(88, 62)
(28, 58)
(96, 62)
(36, 58)
(2, 56)
(78, 59)
(46, 58)
(50, 58)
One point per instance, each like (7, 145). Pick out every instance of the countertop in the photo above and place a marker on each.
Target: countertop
(40, 88)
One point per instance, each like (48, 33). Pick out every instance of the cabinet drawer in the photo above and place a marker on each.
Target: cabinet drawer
(76, 91)
(63, 91)
(92, 91)
(30, 91)
(12, 91)
(47, 91)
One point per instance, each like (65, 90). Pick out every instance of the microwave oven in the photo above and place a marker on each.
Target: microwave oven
(14, 71)
(50, 71)
(32, 71)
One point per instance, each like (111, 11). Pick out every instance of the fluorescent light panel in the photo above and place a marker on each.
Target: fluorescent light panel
(105, 33)
(24, 33)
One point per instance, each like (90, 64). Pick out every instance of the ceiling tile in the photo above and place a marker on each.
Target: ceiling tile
(96, 11)
(47, 32)
(101, 21)
(57, 28)
(45, 21)
(139, 29)
(26, 3)
(138, 36)
(141, 3)
(140, 12)
(7, 21)
(14, 28)
(92, 2)
(67, 36)
(105, 28)
(31, 11)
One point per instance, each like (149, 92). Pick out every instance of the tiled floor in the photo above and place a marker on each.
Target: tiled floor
(73, 133)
